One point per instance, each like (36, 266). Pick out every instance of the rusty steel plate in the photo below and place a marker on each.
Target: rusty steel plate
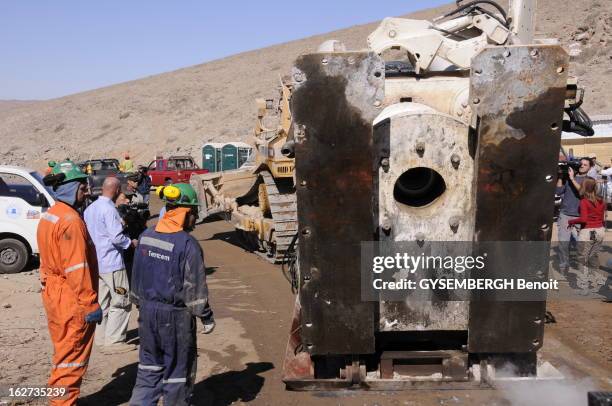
(517, 94)
(336, 98)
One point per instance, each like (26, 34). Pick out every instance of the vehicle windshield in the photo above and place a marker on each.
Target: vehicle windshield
(104, 166)
(39, 178)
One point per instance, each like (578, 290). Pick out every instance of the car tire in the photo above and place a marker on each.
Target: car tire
(13, 256)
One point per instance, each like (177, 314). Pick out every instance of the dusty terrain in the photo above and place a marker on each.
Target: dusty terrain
(241, 361)
(179, 111)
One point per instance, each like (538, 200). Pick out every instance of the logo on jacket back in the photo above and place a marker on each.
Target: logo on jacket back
(159, 256)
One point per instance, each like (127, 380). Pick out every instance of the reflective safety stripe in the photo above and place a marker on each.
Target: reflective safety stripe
(175, 380)
(154, 242)
(70, 365)
(150, 367)
(75, 267)
(50, 217)
(196, 302)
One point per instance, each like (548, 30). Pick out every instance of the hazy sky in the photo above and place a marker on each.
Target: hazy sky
(54, 48)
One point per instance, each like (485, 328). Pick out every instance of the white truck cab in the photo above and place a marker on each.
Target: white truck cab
(23, 198)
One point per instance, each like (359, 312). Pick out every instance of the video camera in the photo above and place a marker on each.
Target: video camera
(135, 216)
(563, 170)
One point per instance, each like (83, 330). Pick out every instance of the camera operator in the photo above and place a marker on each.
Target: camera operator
(135, 212)
(568, 188)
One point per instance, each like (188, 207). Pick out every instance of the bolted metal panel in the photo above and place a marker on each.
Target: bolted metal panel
(517, 94)
(336, 98)
(420, 137)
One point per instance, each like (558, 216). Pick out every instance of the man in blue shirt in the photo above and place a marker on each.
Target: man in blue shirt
(169, 286)
(569, 190)
(106, 230)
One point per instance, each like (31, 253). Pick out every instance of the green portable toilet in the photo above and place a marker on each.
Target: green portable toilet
(234, 155)
(244, 152)
(211, 156)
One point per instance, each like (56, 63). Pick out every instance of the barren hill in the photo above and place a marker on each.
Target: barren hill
(178, 111)
(11, 104)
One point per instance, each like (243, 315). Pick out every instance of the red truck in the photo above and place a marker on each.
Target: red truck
(175, 169)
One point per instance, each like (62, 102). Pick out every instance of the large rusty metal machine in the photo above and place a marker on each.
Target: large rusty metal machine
(259, 197)
(457, 140)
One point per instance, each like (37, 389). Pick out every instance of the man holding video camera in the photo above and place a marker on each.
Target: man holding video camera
(568, 188)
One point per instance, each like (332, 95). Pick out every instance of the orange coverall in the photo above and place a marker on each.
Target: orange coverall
(69, 275)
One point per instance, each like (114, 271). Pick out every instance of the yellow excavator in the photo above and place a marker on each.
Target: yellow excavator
(259, 197)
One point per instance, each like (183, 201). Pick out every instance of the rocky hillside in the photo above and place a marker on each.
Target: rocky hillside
(176, 112)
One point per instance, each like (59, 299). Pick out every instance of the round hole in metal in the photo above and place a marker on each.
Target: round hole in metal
(418, 187)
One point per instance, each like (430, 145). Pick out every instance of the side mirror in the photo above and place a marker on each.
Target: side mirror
(41, 200)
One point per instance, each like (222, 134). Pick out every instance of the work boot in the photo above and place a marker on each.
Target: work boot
(209, 326)
(117, 348)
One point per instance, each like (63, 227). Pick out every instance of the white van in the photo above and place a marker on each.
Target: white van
(23, 198)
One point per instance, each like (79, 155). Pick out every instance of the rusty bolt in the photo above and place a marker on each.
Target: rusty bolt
(459, 113)
(306, 231)
(453, 222)
(560, 69)
(476, 100)
(303, 183)
(534, 52)
(420, 149)
(455, 160)
(386, 225)
(298, 77)
(420, 239)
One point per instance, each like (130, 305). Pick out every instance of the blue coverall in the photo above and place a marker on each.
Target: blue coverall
(169, 286)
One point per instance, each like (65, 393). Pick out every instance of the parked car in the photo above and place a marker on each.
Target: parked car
(100, 169)
(175, 169)
(23, 199)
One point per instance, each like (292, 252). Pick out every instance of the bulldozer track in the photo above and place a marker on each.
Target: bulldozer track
(283, 208)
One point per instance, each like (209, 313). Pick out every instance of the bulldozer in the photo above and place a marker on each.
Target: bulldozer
(444, 131)
(259, 197)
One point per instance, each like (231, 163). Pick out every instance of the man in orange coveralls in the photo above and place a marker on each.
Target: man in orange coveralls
(69, 276)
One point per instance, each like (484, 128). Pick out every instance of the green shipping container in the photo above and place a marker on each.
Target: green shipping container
(212, 156)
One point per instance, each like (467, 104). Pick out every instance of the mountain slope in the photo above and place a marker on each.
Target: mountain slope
(178, 111)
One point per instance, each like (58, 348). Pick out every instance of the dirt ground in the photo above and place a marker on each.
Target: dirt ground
(241, 361)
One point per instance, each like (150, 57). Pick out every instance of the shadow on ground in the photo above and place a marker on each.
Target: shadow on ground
(117, 391)
(235, 238)
(217, 390)
(232, 386)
